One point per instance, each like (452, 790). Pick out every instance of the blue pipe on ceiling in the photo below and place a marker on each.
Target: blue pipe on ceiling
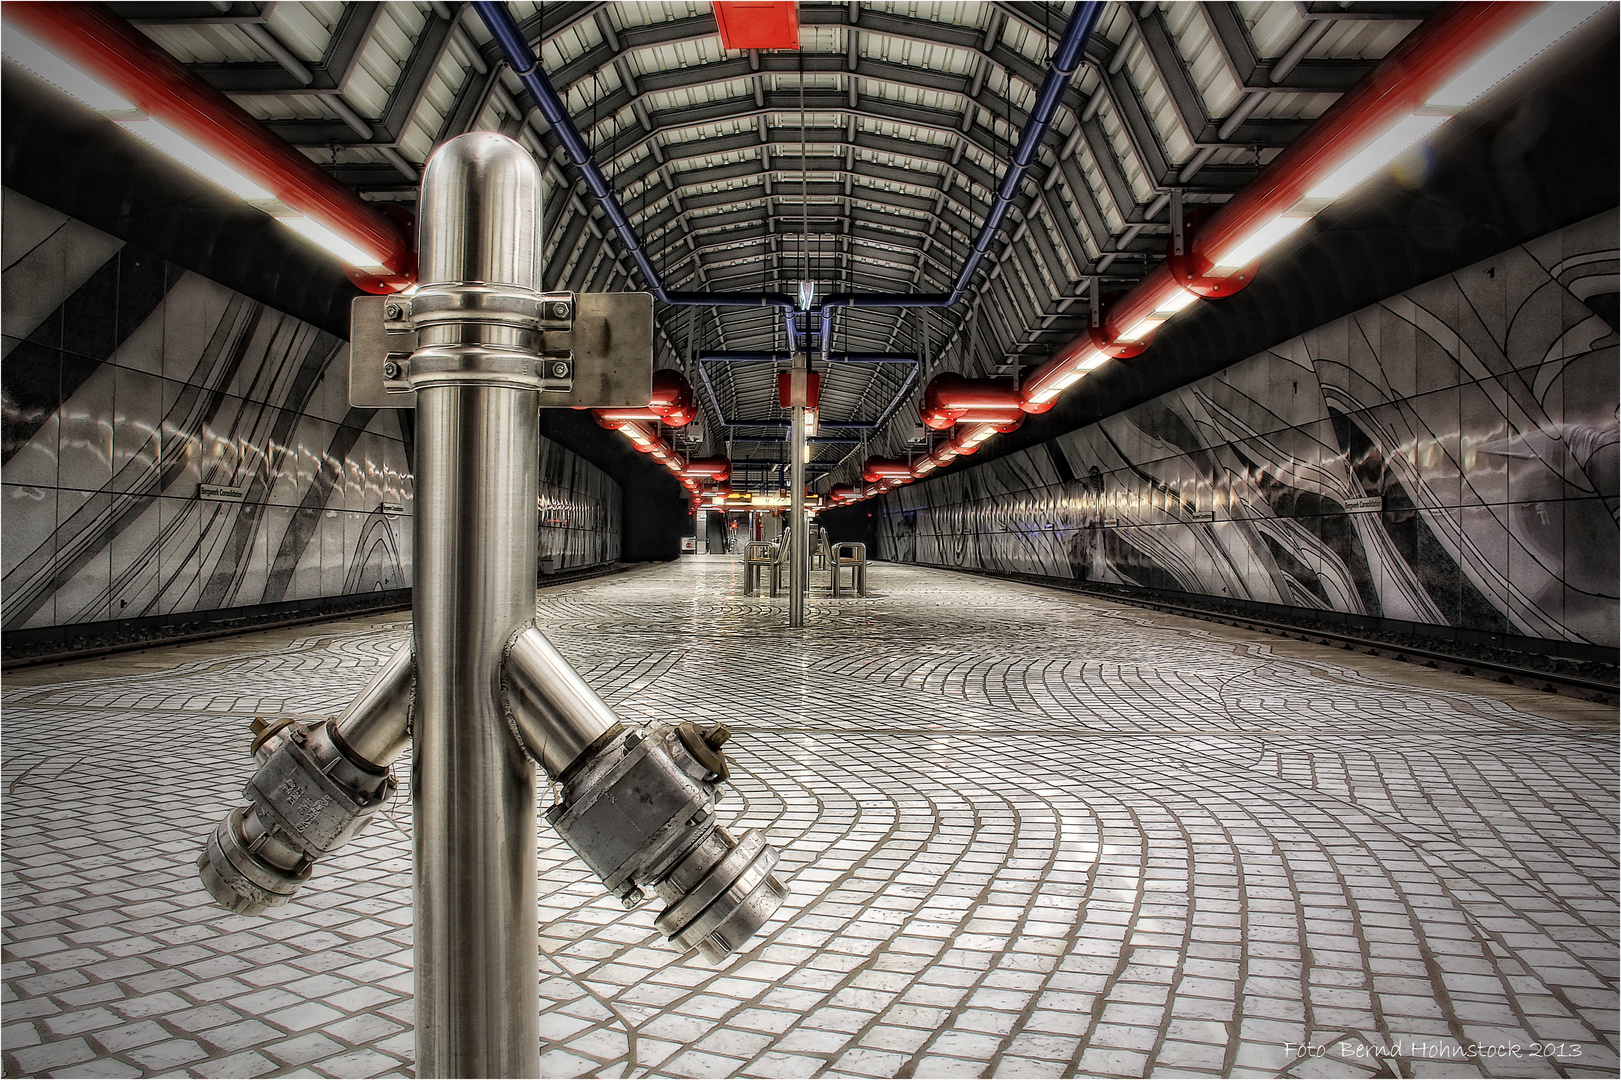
(524, 64)
(1066, 61)
(783, 358)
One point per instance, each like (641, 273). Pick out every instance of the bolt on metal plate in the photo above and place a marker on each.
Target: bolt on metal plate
(606, 352)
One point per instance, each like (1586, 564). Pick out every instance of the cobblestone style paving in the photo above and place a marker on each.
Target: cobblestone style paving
(1026, 834)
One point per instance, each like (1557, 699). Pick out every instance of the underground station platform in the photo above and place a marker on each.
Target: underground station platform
(1022, 832)
(791, 538)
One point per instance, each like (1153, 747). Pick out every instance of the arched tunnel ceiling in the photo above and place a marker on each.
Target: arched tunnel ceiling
(864, 161)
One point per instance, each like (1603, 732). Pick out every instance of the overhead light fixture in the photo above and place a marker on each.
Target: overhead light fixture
(36, 58)
(155, 101)
(323, 237)
(1143, 327)
(1268, 236)
(1537, 35)
(1174, 303)
(1374, 155)
(161, 136)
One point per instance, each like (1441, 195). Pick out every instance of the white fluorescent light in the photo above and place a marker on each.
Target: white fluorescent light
(1384, 148)
(926, 465)
(28, 53)
(1249, 249)
(1535, 36)
(324, 237)
(1046, 395)
(979, 436)
(1145, 326)
(161, 136)
(1093, 363)
(1070, 379)
(1176, 302)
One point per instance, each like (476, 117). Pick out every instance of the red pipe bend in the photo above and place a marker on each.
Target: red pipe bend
(97, 41)
(710, 468)
(672, 398)
(950, 399)
(877, 469)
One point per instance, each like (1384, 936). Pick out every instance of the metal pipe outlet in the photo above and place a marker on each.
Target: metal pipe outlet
(551, 710)
(477, 447)
(317, 787)
(377, 724)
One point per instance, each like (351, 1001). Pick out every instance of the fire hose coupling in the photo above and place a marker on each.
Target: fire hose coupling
(639, 808)
(637, 804)
(311, 795)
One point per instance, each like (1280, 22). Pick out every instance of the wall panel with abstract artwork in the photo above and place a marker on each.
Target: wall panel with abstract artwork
(1447, 458)
(173, 447)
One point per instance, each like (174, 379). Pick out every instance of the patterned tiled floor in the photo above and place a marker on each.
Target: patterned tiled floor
(1026, 834)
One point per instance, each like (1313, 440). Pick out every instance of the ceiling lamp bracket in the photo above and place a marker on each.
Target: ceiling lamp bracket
(1191, 268)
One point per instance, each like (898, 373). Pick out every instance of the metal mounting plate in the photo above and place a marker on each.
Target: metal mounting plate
(610, 342)
(370, 342)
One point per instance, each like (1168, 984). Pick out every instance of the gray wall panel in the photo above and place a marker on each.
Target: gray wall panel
(1480, 409)
(130, 386)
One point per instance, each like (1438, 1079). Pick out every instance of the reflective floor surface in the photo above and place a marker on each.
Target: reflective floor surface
(1026, 834)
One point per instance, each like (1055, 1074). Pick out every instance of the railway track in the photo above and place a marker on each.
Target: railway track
(1497, 671)
(224, 630)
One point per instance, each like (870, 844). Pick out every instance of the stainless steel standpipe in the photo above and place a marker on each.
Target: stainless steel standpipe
(477, 380)
(799, 538)
(481, 693)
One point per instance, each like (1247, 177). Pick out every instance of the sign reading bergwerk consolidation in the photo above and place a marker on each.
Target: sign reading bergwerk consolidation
(222, 492)
(1359, 506)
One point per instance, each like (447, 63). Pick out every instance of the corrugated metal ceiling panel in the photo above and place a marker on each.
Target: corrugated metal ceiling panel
(914, 63)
